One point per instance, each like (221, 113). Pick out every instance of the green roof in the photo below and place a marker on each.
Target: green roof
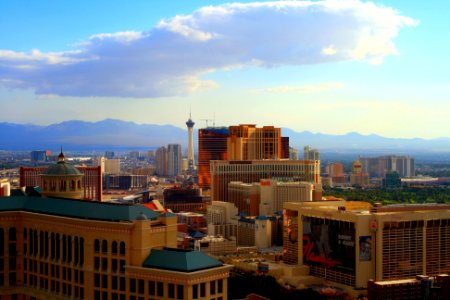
(76, 208)
(180, 260)
(62, 168)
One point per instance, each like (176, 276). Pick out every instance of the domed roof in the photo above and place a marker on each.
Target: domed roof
(62, 168)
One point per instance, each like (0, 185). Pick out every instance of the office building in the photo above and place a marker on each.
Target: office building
(310, 153)
(379, 166)
(161, 161)
(54, 248)
(212, 145)
(40, 156)
(224, 172)
(346, 243)
(190, 155)
(293, 153)
(109, 154)
(174, 161)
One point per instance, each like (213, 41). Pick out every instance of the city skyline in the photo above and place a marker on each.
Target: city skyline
(342, 66)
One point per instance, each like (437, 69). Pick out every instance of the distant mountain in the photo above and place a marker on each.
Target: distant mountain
(357, 141)
(116, 134)
(81, 135)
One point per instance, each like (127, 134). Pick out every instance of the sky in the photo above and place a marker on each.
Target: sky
(333, 67)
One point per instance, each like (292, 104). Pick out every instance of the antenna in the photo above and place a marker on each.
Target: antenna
(214, 119)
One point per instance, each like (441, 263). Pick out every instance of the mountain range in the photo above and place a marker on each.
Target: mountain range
(112, 134)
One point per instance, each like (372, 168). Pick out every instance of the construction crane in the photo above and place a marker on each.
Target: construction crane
(206, 120)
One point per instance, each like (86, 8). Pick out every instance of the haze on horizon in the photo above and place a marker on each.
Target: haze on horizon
(332, 66)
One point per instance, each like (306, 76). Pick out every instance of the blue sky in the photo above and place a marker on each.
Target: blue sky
(323, 66)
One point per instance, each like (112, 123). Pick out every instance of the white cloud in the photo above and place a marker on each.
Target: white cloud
(171, 58)
(307, 88)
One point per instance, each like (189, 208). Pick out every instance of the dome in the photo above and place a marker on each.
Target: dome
(62, 168)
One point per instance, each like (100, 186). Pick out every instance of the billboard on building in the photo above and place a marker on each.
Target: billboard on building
(329, 243)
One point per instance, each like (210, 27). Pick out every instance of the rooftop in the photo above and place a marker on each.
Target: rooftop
(75, 208)
(180, 260)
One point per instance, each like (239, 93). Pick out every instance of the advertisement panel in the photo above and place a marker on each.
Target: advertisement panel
(329, 243)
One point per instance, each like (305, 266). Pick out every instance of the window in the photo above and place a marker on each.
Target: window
(202, 289)
(114, 247)
(212, 287)
(140, 286)
(132, 285)
(122, 266)
(104, 263)
(122, 283)
(220, 286)
(104, 281)
(151, 288)
(114, 282)
(81, 252)
(171, 290)
(180, 291)
(104, 246)
(114, 265)
(195, 291)
(97, 246)
(122, 248)
(96, 263)
(97, 280)
(160, 289)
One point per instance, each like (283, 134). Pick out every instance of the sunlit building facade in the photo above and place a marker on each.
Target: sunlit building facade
(249, 171)
(212, 145)
(350, 245)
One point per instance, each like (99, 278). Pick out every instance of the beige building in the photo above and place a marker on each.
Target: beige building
(357, 176)
(350, 245)
(247, 142)
(60, 248)
(109, 166)
(268, 195)
(222, 219)
(57, 247)
(248, 171)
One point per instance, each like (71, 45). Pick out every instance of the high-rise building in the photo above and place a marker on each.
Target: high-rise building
(293, 153)
(247, 142)
(109, 154)
(336, 172)
(248, 171)
(310, 153)
(190, 154)
(174, 161)
(39, 156)
(212, 145)
(357, 176)
(161, 161)
(134, 155)
(379, 166)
